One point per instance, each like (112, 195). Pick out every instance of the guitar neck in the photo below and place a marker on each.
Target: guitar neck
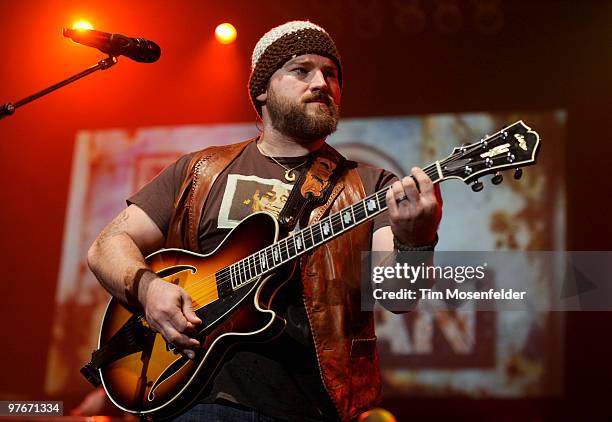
(303, 241)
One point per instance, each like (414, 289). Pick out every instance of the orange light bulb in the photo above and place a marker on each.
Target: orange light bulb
(225, 33)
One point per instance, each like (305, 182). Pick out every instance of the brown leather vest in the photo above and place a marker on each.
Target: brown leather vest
(343, 334)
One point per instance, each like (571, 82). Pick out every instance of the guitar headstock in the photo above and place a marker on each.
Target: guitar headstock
(513, 147)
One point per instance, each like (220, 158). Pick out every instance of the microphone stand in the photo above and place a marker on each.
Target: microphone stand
(9, 108)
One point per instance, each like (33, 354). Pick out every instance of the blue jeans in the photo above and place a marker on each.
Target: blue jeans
(214, 412)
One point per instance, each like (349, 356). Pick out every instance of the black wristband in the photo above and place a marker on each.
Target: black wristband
(399, 246)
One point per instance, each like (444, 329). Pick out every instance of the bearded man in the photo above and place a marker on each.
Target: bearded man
(324, 366)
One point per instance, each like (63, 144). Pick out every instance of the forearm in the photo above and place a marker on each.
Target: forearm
(120, 267)
(118, 262)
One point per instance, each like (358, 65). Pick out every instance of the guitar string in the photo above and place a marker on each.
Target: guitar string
(244, 265)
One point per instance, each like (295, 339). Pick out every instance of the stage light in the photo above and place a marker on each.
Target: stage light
(82, 25)
(225, 33)
(377, 414)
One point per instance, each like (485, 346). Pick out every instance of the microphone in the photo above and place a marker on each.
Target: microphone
(138, 49)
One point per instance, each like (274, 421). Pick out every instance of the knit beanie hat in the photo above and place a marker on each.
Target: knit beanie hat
(281, 44)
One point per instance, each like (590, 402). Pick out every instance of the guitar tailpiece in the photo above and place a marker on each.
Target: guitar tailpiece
(91, 374)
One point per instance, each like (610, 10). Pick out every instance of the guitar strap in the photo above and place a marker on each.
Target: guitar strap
(313, 186)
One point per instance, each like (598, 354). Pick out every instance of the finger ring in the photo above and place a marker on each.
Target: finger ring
(403, 198)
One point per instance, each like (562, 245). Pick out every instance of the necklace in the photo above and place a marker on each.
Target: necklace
(288, 170)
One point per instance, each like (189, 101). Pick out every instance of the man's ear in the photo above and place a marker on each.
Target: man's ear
(262, 97)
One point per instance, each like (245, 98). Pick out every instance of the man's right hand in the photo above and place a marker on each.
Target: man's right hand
(117, 256)
(169, 311)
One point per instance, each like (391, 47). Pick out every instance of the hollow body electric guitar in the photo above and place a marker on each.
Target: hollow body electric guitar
(233, 287)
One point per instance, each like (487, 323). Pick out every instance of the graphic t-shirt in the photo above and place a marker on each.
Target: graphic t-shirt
(280, 378)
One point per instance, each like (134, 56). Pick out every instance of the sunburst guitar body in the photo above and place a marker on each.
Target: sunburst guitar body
(153, 378)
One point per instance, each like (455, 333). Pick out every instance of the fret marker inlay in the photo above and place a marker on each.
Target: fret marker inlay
(347, 217)
(326, 228)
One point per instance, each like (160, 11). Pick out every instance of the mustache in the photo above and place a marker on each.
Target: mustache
(319, 97)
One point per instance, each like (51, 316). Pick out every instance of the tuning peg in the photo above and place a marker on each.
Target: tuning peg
(518, 173)
(497, 179)
(477, 186)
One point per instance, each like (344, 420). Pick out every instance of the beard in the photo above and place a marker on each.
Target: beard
(296, 121)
